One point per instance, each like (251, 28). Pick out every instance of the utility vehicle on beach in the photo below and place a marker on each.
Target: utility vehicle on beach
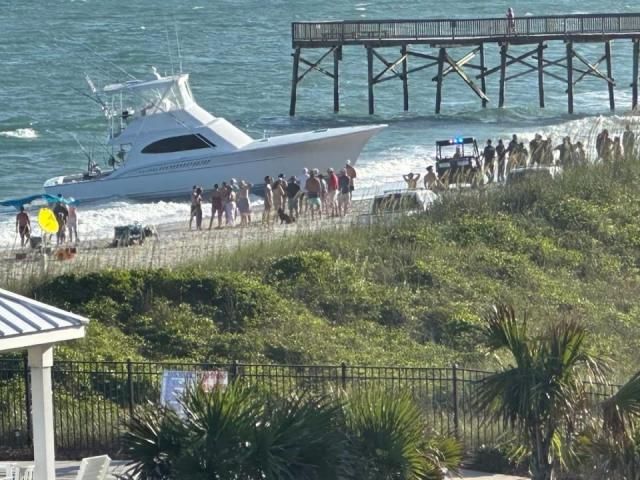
(457, 160)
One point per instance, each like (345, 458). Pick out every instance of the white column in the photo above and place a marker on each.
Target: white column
(40, 363)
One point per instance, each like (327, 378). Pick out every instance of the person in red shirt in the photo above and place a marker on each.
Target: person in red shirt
(332, 192)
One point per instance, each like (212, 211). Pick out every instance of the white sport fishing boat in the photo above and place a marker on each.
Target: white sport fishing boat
(162, 143)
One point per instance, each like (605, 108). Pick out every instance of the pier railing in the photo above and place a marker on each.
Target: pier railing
(306, 34)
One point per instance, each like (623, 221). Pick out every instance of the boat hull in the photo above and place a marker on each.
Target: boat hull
(174, 179)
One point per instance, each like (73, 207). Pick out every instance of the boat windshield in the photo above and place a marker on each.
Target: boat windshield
(138, 98)
(165, 94)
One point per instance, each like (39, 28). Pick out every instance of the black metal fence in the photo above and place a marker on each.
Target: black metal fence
(92, 400)
(363, 31)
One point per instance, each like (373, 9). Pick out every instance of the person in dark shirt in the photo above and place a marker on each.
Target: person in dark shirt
(293, 194)
(61, 212)
(628, 142)
(489, 159)
(344, 200)
(535, 148)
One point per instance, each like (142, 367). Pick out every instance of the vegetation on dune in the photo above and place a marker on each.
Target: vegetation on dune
(239, 433)
(412, 292)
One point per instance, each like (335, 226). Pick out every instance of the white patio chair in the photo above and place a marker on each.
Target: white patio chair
(24, 472)
(94, 468)
(7, 471)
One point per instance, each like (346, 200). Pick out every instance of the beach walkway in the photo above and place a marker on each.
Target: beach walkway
(67, 470)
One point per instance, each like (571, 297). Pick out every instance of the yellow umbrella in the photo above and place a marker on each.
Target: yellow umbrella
(47, 221)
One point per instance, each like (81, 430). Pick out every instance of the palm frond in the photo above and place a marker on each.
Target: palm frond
(619, 410)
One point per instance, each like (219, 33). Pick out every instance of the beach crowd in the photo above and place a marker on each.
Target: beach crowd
(286, 198)
(496, 161)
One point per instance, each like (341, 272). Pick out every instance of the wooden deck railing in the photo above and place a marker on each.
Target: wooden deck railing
(364, 31)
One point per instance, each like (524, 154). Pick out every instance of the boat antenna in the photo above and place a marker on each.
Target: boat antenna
(166, 30)
(101, 57)
(178, 44)
(84, 150)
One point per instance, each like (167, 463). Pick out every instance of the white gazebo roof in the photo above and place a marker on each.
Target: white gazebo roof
(25, 323)
(37, 327)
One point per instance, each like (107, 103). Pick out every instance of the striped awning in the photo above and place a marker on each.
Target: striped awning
(25, 322)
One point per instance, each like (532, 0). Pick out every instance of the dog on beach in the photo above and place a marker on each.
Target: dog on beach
(284, 218)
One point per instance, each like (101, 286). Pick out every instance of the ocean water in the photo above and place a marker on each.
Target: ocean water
(238, 54)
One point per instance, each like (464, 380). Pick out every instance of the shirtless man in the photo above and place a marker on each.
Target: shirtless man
(72, 223)
(314, 189)
(217, 206)
(352, 174)
(431, 179)
(412, 180)
(23, 226)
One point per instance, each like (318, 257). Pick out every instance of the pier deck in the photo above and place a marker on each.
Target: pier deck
(443, 34)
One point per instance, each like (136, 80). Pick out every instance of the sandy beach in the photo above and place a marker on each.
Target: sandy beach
(174, 245)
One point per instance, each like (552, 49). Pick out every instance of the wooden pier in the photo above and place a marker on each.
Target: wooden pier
(428, 43)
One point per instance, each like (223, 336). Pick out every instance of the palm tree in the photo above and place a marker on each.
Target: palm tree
(621, 439)
(541, 389)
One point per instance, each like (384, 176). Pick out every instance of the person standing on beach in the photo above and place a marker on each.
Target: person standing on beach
(579, 155)
(628, 141)
(352, 174)
(229, 206)
(430, 179)
(535, 147)
(268, 201)
(244, 205)
(565, 152)
(601, 143)
(489, 154)
(501, 152)
(314, 190)
(332, 192)
(193, 206)
(279, 195)
(23, 226)
(412, 180)
(72, 224)
(62, 214)
(303, 195)
(217, 207)
(617, 150)
(293, 197)
(344, 198)
(197, 208)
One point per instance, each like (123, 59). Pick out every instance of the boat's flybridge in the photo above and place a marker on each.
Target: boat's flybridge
(139, 98)
(160, 116)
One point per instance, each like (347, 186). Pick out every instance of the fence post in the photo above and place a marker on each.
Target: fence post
(234, 371)
(130, 386)
(27, 395)
(343, 373)
(454, 370)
